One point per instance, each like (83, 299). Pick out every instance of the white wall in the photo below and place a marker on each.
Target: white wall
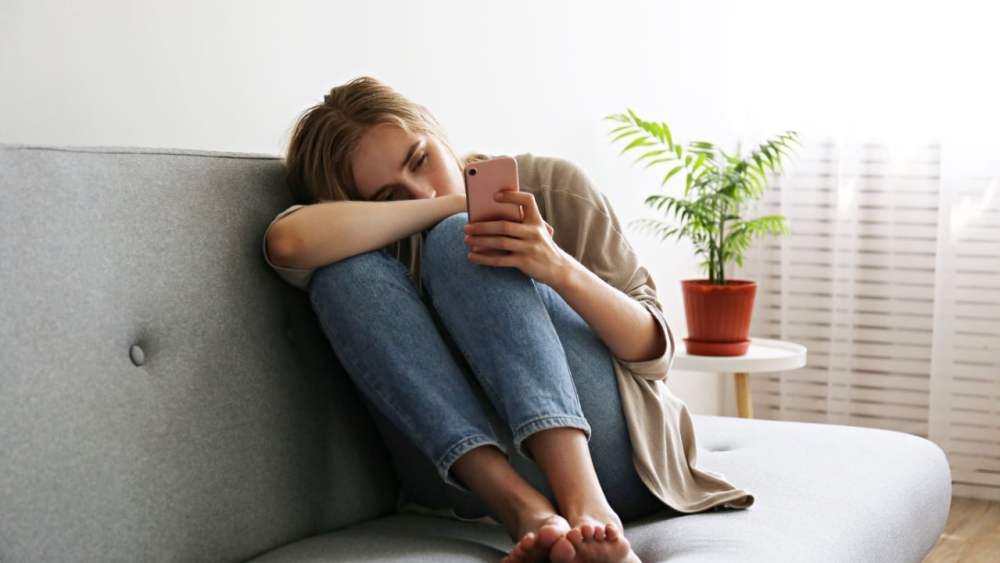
(508, 77)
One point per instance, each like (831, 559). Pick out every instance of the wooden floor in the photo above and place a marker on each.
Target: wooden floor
(972, 534)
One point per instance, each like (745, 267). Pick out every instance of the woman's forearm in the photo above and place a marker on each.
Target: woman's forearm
(627, 328)
(323, 233)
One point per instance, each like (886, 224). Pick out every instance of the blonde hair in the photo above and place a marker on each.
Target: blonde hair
(318, 158)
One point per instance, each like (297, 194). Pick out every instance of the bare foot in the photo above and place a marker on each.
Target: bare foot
(538, 533)
(593, 540)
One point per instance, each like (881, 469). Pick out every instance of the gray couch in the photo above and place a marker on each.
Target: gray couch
(164, 396)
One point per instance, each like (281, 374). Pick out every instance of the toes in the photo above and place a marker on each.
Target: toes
(517, 554)
(562, 551)
(588, 531)
(527, 542)
(575, 536)
(599, 533)
(611, 532)
(520, 553)
(548, 535)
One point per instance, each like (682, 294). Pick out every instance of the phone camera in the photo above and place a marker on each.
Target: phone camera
(472, 172)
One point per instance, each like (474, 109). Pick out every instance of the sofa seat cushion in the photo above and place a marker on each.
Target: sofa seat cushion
(824, 492)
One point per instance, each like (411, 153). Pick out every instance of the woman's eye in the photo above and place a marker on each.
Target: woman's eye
(421, 161)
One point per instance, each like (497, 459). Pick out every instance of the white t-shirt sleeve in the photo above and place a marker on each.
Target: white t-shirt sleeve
(298, 277)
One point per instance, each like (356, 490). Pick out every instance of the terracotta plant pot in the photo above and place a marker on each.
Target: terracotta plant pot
(718, 316)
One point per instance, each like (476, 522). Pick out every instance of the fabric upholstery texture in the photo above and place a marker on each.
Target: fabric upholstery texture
(164, 396)
(827, 493)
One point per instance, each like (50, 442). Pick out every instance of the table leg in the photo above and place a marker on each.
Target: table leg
(744, 405)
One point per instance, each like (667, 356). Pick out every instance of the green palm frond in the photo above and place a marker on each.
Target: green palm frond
(721, 184)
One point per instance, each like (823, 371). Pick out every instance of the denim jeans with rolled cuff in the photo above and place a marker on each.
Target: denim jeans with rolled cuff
(487, 356)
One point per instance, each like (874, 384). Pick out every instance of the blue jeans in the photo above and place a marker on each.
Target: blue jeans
(488, 356)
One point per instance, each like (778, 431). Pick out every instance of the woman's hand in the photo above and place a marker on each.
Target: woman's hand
(530, 245)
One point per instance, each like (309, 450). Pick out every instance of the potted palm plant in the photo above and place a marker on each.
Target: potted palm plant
(716, 188)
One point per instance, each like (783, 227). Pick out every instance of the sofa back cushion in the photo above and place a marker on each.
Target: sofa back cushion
(163, 394)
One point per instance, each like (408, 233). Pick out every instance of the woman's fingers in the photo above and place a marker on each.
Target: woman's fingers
(501, 227)
(504, 243)
(529, 245)
(526, 200)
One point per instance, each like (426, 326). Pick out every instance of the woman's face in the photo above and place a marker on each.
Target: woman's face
(391, 163)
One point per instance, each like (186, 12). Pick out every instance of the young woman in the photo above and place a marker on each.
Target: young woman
(525, 388)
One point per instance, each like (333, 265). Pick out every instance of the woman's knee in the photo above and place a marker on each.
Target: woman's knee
(357, 277)
(444, 245)
(444, 238)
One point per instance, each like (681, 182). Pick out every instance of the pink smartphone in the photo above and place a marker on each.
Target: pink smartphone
(483, 179)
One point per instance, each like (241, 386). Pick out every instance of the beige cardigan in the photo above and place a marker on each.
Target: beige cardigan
(660, 426)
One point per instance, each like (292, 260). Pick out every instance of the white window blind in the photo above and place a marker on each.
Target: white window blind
(965, 393)
(899, 308)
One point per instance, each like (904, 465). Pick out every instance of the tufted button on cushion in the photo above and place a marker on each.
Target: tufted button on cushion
(137, 355)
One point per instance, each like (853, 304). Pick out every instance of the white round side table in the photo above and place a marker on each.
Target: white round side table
(764, 354)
